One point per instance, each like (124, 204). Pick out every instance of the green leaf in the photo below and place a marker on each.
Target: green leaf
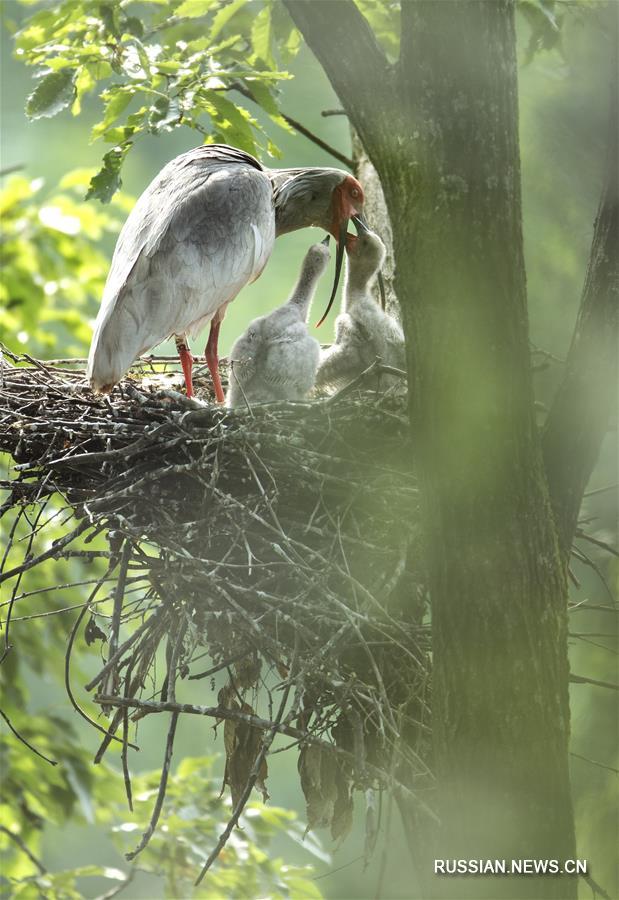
(54, 92)
(132, 25)
(191, 9)
(115, 104)
(224, 15)
(261, 34)
(234, 122)
(265, 99)
(106, 182)
(84, 83)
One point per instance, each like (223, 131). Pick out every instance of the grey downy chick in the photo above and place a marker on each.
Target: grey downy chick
(363, 331)
(275, 358)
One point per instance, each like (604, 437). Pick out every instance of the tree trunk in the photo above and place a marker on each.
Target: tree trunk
(500, 688)
(449, 165)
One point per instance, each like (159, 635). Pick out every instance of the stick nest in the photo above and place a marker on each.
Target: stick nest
(276, 541)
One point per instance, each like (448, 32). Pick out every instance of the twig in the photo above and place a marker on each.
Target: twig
(8, 170)
(163, 783)
(24, 849)
(341, 157)
(602, 490)
(603, 545)
(125, 747)
(220, 712)
(119, 594)
(267, 740)
(115, 891)
(580, 679)
(23, 740)
(122, 649)
(67, 667)
(53, 551)
(222, 665)
(376, 367)
(595, 887)
(594, 762)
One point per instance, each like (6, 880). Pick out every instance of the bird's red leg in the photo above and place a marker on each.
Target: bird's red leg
(187, 364)
(212, 360)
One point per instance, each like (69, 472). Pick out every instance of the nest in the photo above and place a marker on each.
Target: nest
(280, 541)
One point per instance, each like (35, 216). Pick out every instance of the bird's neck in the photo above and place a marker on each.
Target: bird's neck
(301, 198)
(287, 219)
(303, 293)
(356, 289)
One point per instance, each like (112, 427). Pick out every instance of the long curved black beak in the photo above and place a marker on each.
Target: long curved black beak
(341, 246)
(361, 224)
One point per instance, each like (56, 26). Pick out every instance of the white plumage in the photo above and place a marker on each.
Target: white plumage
(363, 331)
(276, 358)
(203, 229)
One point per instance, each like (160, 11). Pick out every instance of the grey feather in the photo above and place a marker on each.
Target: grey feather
(276, 358)
(203, 229)
(363, 331)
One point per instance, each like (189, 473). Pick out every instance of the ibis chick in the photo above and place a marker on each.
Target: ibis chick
(275, 358)
(363, 331)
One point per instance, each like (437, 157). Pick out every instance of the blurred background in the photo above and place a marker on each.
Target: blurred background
(563, 108)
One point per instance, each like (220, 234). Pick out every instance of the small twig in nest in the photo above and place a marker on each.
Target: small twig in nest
(163, 783)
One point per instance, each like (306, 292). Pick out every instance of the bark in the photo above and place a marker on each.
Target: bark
(579, 416)
(378, 218)
(445, 145)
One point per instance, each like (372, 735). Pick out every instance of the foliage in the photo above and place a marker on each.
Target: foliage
(75, 57)
(53, 266)
(158, 66)
(193, 815)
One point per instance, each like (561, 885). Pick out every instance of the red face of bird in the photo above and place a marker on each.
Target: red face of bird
(347, 201)
(346, 204)
(326, 198)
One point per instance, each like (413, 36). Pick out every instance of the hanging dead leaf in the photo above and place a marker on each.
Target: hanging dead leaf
(317, 771)
(93, 633)
(242, 743)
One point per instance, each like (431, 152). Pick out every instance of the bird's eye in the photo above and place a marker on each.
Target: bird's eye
(354, 192)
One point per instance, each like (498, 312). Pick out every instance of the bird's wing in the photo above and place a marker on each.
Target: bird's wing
(291, 361)
(339, 364)
(202, 230)
(174, 200)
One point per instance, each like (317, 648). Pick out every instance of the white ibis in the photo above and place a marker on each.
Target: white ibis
(203, 229)
(363, 331)
(276, 358)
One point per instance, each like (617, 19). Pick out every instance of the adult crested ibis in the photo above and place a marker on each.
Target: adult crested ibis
(276, 358)
(363, 331)
(203, 229)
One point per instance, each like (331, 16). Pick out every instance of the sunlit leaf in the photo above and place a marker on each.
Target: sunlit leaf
(53, 93)
(227, 11)
(107, 181)
(191, 9)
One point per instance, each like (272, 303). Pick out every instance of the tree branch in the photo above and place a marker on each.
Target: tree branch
(578, 419)
(344, 44)
(24, 849)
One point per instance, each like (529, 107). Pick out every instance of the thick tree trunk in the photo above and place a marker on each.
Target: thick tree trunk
(500, 690)
(449, 165)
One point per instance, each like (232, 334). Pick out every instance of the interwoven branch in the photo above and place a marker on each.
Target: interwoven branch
(253, 537)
